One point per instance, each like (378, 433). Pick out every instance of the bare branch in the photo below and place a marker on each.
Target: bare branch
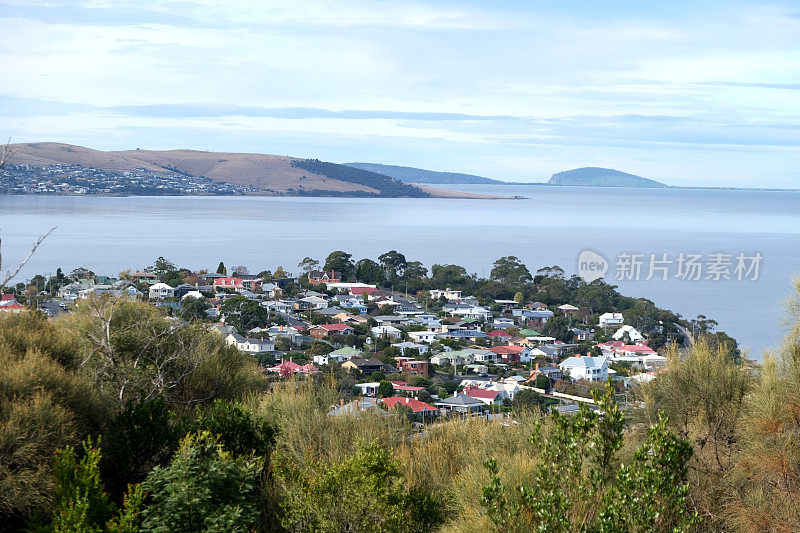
(11, 275)
(6, 152)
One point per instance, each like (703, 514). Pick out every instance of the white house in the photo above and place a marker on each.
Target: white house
(386, 331)
(448, 294)
(585, 367)
(611, 320)
(368, 389)
(315, 302)
(422, 348)
(193, 294)
(633, 334)
(160, 291)
(337, 356)
(423, 336)
(250, 345)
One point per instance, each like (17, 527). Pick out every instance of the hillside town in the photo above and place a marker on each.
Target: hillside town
(68, 180)
(436, 353)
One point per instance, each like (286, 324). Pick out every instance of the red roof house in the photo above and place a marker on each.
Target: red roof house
(511, 353)
(486, 396)
(325, 330)
(229, 283)
(289, 368)
(416, 406)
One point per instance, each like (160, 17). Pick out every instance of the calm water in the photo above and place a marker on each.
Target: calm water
(552, 226)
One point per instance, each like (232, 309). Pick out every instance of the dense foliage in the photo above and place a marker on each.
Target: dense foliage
(120, 418)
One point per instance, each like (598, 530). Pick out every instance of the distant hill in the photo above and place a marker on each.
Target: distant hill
(418, 175)
(601, 177)
(269, 174)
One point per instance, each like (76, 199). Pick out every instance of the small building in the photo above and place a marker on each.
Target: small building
(585, 367)
(317, 277)
(461, 403)
(323, 331)
(159, 291)
(611, 320)
(414, 367)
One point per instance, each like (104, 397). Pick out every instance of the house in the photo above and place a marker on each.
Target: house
(418, 407)
(447, 294)
(632, 333)
(235, 284)
(357, 408)
(314, 302)
(368, 389)
(533, 318)
(337, 356)
(9, 304)
(414, 367)
(368, 366)
(461, 403)
(249, 345)
(423, 336)
(422, 349)
(182, 289)
(160, 291)
(507, 305)
(390, 320)
(499, 335)
(256, 345)
(193, 294)
(585, 367)
(487, 396)
(568, 309)
(361, 290)
(537, 306)
(386, 331)
(330, 313)
(469, 334)
(502, 323)
(316, 277)
(512, 354)
(477, 312)
(144, 277)
(611, 320)
(289, 368)
(581, 335)
(406, 389)
(323, 331)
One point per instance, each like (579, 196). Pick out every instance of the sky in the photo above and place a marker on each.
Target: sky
(698, 93)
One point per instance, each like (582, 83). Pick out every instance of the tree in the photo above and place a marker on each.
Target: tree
(359, 493)
(221, 269)
(340, 261)
(579, 483)
(193, 308)
(394, 263)
(764, 483)
(308, 264)
(163, 267)
(519, 298)
(279, 273)
(205, 488)
(239, 270)
(244, 314)
(703, 395)
(81, 504)
(510, 270)
(385, 389)
(136, 354)
(368, 271)
(46, 403)
(142, 436)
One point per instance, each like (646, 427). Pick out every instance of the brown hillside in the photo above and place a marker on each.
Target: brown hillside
(254, 170)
